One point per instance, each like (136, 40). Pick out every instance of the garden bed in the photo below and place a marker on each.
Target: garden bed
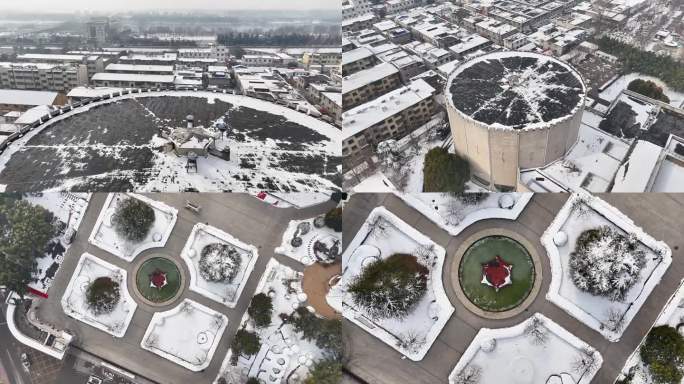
(226, 292)
(104, 235)
(75, 303)
(284, 354)
(540, 352)
(318, 244)
(608, 316)
(383, 235)
(454, 214)
(188, 334)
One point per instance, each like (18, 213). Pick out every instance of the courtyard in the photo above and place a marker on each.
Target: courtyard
(164, 330)
(590, 351)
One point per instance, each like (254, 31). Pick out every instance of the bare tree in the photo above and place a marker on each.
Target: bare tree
(378, 228)
(536, 331)
(426, 253)
(410, 341)
(453, 211)
(615, 320)
(585, 362)
(472, 374)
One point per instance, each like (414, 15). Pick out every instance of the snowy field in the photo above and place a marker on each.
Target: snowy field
(431, 313)
(511, 355)
(580, 213)
(105, 237)
(188, 334)
(75, 304)
(307, 253)
(672, 315)
(284, 355)
(68, 208)
(614, 90)
(224, 292)
(454, 215)
(272, 147)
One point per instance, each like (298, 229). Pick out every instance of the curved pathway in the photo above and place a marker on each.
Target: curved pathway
(660, 215)
(241, 215)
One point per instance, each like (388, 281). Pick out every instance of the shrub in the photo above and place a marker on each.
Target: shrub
(444, 172)
(260, 309)
(333, 219)
(648, 88)
(102, 295)
(219, 262)
(606, 263)
(327, 371)
(472, 198)
(253, 380)
(663, 353)
(245, 343)
(133, 219)
(390, 288)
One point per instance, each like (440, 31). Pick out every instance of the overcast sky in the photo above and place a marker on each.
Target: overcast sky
(136, 5)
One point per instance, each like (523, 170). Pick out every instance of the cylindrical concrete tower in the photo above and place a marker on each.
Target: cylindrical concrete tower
(513, 110)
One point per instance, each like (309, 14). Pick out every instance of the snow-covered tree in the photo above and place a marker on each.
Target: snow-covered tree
(536, 331)
(411, 341)
(615, 320)
(426, 253)
(102, 295)
(133, 219)
(219, 262)
(606, 263)
(453, 211)
(390, 288)
(471, 374)
(585, 362)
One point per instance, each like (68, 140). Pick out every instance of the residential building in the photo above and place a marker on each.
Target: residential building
(43, 76)
(368, 84)
(22, 100)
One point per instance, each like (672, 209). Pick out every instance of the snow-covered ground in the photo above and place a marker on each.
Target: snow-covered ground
(224, 292)
(407, 176)
(104, 235)
(291, 159)
(75, 304)
(512, 355)
(614, 90)
(580, 213)
(454, 215)
(306, 253)
(672, 315)
(284, 353)
(68, 208)
(391, 235)
(188, 334)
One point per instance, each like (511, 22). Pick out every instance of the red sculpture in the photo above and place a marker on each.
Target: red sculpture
(496, 273)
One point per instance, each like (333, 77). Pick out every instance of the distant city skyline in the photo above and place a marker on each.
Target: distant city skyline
(146, 5)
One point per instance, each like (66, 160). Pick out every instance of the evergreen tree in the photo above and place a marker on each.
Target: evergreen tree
(391, 287)
(133, 219)
(327, 371)
(260, 310)
(444, 172)
(333, 219)
(663, 353)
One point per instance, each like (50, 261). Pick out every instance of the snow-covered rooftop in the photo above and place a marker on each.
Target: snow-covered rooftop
(92, 91)
(139, 68)
(375, 111)
(356, 55)
(515, 89)
(49, 56)
(22, 97)
(367, 76)
(133, 77)
(635, 174)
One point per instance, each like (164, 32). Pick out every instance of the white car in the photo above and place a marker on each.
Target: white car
(94, 380)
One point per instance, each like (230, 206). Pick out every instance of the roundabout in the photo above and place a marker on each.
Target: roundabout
(158, 281)
(496, 273)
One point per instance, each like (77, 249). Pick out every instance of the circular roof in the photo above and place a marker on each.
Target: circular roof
(515, 89)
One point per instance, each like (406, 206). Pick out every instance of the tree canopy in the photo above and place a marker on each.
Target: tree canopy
(444, 172)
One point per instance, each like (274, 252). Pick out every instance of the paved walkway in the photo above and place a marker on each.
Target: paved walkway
(660, 215)
(243, 216)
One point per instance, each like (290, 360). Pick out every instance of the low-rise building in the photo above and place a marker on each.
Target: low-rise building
(390, 116)
(132, 80)
(368, 84)
(43, 76)
(140, 69)
(357, 60)
(22, 100)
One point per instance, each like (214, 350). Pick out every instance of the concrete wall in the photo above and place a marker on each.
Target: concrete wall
(496, 155)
